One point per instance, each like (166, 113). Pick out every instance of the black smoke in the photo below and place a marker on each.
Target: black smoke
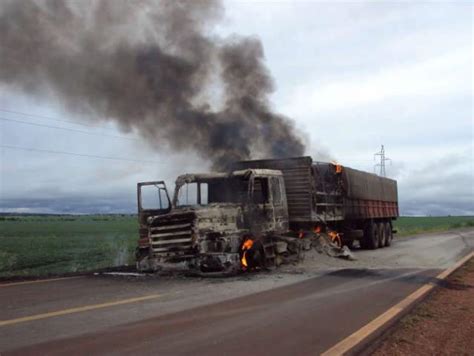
(151, 66)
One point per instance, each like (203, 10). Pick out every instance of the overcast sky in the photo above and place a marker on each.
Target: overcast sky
(353, 76)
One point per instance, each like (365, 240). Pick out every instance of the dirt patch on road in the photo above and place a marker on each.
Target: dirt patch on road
(441, 325)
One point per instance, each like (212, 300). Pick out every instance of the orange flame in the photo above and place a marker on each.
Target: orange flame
(335, 237)
(317, 229)
(247, 244)
(338, 167)
(245, 247)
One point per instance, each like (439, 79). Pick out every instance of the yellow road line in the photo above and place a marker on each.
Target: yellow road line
(77, 310)
(37, 281)
(357, 337)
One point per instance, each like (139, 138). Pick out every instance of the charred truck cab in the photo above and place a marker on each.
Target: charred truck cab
(216, 223)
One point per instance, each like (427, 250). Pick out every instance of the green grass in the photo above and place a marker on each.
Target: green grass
(43, 245)
(416, 225)
(50, 245)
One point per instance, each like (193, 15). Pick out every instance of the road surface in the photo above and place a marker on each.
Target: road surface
(297, 310)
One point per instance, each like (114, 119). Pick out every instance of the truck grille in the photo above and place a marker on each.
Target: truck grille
(172, 235)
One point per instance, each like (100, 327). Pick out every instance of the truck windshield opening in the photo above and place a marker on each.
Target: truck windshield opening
(224, 190)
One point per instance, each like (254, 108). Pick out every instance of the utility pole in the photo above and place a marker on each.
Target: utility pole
(381, 165)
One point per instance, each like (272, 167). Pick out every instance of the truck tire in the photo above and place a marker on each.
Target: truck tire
(388, 234)
(371, 236)
(382, 234)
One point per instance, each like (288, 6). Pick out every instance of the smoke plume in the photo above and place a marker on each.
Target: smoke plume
(154, 68)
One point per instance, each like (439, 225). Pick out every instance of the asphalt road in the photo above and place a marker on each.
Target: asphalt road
(301, 311)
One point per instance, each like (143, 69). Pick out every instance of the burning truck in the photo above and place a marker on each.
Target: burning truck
(261, 214)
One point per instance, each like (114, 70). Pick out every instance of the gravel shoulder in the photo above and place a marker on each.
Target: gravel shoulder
(441, 325)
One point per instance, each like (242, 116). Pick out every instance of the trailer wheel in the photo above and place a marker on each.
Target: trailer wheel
(388, 234)
(371, 236)
(382, 234)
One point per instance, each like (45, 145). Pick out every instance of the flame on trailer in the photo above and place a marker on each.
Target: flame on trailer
(338, 167)
(247, 245)
(335, 237)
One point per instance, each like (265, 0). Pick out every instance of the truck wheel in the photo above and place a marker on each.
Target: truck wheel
(382, 234)
(371, 236)
(388, 234)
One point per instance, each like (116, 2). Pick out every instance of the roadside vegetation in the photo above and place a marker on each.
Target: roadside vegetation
(43, 245)
(408, 225)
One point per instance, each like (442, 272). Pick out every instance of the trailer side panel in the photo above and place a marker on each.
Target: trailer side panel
(368, 196)
(317, 193)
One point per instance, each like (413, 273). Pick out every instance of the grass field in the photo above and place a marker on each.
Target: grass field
(415, 225)
(46, 245)
(42, 245)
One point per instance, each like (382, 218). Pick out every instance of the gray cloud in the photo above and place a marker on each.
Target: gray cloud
(70, 205)
(442, 187)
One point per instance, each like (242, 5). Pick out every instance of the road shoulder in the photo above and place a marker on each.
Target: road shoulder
(442, 324)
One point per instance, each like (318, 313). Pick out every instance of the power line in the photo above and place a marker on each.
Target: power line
(381, 165)
(68, 129)
(49, 118)
(78, 154)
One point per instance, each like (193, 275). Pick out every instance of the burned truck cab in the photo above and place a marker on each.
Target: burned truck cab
(205, 227)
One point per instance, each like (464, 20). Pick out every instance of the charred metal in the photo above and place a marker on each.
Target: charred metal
(260, 215)
(202, 228)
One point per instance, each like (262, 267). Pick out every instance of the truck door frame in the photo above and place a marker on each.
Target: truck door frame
(265, 210)
(161, 186)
